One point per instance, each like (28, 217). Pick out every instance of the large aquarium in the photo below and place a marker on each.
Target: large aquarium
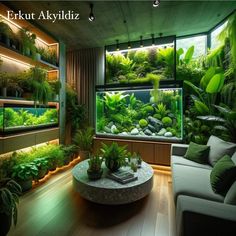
(144, 113)
(139, 64)
(15, 118)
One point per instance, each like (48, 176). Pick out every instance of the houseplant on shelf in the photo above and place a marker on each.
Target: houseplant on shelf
(95, 167)
(56, 86)
(24, 174)
(39, 85)
(84, 140)
(27, 40)
(9, 198)
(42, 165)
(114, 156)
(5, 33)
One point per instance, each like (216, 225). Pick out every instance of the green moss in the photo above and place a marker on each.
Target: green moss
(157, 116)
(148, 109)
(172, 130)
(167, 121)
(143, 123)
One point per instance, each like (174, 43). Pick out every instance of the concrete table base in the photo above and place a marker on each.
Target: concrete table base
(110, 192)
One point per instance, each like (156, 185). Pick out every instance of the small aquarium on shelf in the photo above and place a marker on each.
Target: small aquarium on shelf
(136, 64)
(18, 118)
(141, 113)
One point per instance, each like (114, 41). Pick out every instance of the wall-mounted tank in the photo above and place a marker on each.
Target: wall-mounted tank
(21, 117)
(141, 113)
(156, 57)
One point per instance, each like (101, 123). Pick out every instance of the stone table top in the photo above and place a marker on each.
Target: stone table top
(108, 191)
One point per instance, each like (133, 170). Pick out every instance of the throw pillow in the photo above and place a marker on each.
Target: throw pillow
(230, 197)
(223, 175)
(197, 152)
(219, 148)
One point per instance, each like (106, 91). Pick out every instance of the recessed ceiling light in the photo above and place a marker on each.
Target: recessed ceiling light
(156, 3)
(91, 15)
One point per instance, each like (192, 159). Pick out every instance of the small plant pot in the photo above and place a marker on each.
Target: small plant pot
(94, 175)
(112, 165)
(83, 155)
(37, 57)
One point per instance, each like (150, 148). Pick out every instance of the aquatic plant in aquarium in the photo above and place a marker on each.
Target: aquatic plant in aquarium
(138, 114)
(20, 118)
(133, 65)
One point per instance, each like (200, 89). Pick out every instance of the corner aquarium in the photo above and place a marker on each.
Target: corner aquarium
(21, 117)
(140, 113)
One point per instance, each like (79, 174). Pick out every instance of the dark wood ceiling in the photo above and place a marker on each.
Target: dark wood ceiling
(170, 18)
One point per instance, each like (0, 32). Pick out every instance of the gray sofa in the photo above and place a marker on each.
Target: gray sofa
(200, 211)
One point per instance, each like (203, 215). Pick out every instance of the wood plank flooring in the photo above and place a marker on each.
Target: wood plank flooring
(54, 208)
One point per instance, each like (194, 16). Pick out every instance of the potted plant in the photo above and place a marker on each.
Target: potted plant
(42, 165)
(95, 167)
(4, 83)
(114, 155)
(9, 198)
(27, 40)
(39, 85)
(56, 86)
(5, 32)
(84, 140)
(24, 174)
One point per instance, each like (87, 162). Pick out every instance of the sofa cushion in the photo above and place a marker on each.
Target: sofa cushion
(183, 161)
(197, 152)
(223, 175)
(192, 181)
(219, 148)
(234, 158)
(230, 197)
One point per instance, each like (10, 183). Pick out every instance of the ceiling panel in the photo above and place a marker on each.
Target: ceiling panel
(171, 18)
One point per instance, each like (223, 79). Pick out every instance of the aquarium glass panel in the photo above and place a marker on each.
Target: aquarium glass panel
(199, 43)
(141, 114)
(21, 118)
(136, 64)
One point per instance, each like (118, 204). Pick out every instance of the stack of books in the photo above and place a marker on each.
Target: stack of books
(122, 176)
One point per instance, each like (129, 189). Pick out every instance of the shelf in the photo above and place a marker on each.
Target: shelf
(16, 56)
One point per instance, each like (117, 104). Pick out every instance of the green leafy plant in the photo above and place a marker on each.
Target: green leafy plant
(24, 171)
(95, 170)
(9, 198)
(42, 165)
(114, 155)
(226, 124)
(84, 139)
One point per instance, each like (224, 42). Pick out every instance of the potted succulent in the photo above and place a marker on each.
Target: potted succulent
(84, 140)
(9, 198)
(42, 165)
(24, 174)
(114, 155)
(95, 167)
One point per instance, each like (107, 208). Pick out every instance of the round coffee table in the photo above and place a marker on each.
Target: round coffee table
(110, 192)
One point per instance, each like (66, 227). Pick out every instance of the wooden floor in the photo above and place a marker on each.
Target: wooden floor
(54, 208)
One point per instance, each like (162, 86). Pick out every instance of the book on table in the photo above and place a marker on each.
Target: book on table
(122, 176)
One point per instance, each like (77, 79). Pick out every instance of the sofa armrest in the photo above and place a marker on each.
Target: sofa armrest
(196, 216)
(179, 149)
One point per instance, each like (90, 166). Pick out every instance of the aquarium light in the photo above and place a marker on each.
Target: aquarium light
(153, 40)
(146, 47)
(15, 60)
(91, 15)
(156, 3)
(117, 45)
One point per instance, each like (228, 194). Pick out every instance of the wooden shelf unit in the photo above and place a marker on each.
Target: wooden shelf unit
(151, 152)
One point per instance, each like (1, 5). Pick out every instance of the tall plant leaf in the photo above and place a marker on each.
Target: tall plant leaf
(207, 77)
(201, 107)
(196, 89)
(216, 83)
(189, 55)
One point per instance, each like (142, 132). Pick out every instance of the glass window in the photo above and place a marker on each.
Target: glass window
(215, 42)
(199, 43)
